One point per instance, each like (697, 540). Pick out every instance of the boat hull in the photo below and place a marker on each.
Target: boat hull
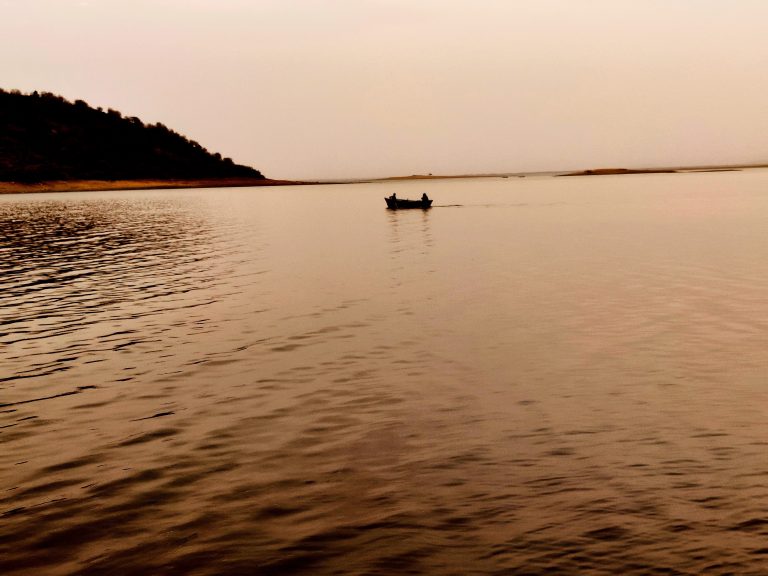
(404, 204)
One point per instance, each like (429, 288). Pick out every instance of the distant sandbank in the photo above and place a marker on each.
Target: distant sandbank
(587, 172)
(619, 171)
(100, 185)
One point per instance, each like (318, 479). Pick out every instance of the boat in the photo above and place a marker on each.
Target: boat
(402, 204)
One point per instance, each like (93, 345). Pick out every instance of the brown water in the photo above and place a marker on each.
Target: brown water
(540, 375)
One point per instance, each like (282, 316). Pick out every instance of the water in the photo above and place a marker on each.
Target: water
(539, 375)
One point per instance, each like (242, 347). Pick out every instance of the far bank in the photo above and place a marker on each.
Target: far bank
(101, 185)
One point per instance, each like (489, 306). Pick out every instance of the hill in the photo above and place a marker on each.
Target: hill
(44, 137)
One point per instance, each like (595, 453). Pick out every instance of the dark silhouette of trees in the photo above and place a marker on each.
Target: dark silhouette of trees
(45, 137)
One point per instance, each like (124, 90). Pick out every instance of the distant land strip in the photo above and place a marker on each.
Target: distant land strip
(103, 185)
(588, 172)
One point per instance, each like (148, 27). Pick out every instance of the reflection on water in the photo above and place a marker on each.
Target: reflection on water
(81, 280)
(558, 375)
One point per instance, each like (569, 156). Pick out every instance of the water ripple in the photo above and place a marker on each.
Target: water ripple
(557, 378)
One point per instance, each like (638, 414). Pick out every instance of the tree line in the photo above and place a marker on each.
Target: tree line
(44, 136)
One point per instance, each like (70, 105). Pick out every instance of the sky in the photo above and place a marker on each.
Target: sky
(323, 89)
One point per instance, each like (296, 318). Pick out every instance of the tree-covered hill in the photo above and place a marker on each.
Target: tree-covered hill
(45, 137)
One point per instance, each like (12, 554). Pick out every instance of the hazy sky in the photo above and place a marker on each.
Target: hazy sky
(346, 88)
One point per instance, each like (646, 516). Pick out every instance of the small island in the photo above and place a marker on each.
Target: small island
(49, 144)
(618, 171)
(621, 171)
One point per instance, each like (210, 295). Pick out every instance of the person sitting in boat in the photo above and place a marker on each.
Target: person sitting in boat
(394, 196)
(424, 197)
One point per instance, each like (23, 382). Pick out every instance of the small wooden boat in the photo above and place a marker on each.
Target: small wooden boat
(402, 204)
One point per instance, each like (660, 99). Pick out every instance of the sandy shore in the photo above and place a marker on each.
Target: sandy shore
(99, 185)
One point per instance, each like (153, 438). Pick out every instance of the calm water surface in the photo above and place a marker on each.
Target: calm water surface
(539, 375)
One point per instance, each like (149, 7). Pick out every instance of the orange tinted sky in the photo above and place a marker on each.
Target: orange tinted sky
(347, 88)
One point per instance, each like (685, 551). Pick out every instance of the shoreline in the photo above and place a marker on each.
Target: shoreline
(160, 184)
(143, 184)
